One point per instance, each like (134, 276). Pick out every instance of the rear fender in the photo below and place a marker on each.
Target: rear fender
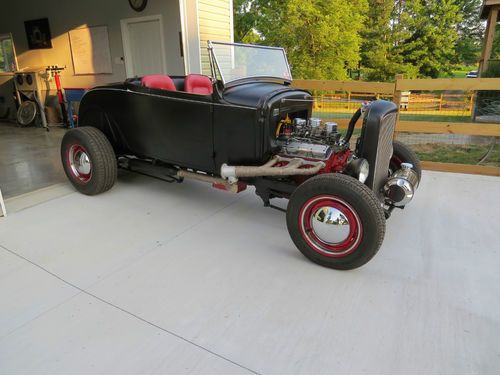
(93, 114)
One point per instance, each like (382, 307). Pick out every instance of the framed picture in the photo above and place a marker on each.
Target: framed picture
(38, 33)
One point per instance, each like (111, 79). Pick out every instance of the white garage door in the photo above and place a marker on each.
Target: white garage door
(143, 46)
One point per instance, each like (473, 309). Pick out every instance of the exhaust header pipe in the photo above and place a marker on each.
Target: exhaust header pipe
(292, 168)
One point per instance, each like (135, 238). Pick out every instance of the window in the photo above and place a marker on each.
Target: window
(7, 54)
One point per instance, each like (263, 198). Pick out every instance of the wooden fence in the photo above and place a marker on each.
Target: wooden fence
(442, 127)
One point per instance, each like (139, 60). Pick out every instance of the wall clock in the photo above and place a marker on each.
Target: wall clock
(138, 5)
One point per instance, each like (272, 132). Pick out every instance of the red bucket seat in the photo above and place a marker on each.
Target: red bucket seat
(158, 81)
(198, 84)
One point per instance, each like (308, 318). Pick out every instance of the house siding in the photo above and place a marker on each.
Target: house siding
(215, 23)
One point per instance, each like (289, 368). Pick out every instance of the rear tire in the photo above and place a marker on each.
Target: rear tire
(89, 160)
(336, 221)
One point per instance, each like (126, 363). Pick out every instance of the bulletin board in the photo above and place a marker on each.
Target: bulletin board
(90, 50)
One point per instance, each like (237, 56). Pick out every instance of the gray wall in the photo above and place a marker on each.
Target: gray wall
(66, 15)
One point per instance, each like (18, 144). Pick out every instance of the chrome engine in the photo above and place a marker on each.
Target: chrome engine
(306, 150)
(313, 138)
(319, 140)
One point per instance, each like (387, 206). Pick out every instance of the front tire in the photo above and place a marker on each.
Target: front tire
(89, 160)
(336, 221)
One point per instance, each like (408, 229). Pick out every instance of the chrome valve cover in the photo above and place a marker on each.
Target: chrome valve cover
(306, 150)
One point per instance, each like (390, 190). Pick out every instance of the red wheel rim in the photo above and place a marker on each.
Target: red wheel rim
(343, 232)
(79, 164)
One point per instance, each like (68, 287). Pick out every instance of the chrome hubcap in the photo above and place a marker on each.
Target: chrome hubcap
(330, 225)
(79, 162)
(83, 163)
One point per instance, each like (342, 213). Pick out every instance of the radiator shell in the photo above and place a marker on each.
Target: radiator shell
(375, 142)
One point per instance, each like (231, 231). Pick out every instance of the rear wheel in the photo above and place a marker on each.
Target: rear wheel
(336, 221)
(404, 154)
(88, 160)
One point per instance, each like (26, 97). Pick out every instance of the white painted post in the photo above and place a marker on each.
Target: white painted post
(2, 205)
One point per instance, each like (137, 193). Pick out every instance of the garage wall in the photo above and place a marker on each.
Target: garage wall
(215, 23)
(66, 15)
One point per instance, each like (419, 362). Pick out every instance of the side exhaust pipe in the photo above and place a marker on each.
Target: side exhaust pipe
(401, 186)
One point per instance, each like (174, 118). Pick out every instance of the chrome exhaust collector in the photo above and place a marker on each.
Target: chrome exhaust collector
(401, 185)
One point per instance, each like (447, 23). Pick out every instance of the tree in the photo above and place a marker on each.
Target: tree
(380, 35)
(495, 53)
(377, 39)
(470, 33)
(245, 16)
(324, 38)
(321, 36)
(415, 37)
(429, 30)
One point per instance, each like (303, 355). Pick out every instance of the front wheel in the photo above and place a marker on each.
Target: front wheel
(336, 221)
(88, 160)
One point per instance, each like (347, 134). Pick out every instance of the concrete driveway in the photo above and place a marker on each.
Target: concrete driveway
(156, 278)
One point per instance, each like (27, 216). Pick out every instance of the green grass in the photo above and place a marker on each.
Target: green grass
(332, 115)
(439, 118)
(459, 72)
(461, 154)
(403, 116)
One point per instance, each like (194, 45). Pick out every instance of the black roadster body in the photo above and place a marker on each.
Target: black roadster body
(199, 131)
(246, 125)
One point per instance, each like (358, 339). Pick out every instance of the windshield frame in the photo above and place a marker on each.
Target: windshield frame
(216, 71)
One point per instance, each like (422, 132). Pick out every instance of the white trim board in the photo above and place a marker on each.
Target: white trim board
(190, 35)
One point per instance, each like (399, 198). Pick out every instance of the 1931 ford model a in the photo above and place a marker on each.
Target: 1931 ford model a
(247, 126)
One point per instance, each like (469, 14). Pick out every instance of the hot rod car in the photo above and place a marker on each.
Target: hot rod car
(246, 125)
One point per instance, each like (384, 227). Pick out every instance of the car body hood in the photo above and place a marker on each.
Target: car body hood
(255, 93)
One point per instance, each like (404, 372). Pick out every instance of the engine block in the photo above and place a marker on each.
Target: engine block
(312, 139)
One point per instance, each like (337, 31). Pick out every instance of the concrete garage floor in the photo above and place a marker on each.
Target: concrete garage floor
(29, 158)
(156, 278)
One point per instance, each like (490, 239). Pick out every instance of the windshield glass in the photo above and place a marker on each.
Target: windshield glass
(237, 61)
